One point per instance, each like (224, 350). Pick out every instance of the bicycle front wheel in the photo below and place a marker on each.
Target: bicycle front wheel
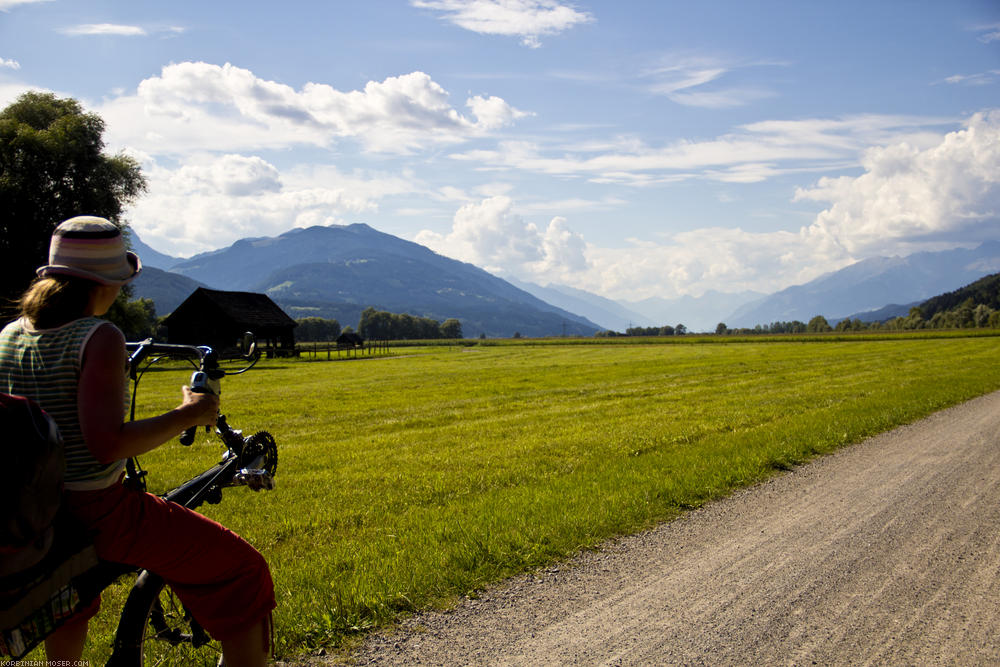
(156, 629)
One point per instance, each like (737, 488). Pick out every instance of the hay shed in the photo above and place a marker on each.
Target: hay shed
(219, 319)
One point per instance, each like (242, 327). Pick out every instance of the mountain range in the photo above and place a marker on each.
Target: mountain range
(695, 313)
(863, 288)
(608, 313)
(336, 272)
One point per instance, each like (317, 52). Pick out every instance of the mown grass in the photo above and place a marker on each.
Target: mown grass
(407, 481)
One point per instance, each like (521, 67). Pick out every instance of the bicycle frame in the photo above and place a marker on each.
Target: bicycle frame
(247, 462)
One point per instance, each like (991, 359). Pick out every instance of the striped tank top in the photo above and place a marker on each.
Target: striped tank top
(44, 365)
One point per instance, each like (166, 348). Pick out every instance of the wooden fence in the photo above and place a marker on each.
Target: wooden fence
(369, 348)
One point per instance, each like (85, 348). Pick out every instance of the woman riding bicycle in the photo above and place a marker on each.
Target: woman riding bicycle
(72, 363)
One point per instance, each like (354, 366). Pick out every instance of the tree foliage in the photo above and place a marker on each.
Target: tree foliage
(316, 329)
(137, 319)
(452, 328)
(665, 330)
(793, 327)
(383, 325)
(818, 324)
(985, 291)
(53, 167)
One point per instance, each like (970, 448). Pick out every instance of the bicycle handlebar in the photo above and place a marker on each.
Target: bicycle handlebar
(143, 349)
(205, 379)
(206, 356)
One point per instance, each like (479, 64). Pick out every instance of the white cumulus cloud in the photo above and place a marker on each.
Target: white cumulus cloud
(911, 196)
(527, 19)
(9, 64)
(196, 105)
(211, 201)
(229, 175)
(491, 235)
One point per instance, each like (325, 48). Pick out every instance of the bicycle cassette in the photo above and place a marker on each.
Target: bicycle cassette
(260, 444)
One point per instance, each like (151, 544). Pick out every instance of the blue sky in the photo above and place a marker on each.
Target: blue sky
(632, 149)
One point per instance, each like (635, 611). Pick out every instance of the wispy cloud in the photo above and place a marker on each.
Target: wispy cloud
(752, 153)
(6, 5)
(9, 64)
(689, 80)
(721, 99)
(988, 33)
(685, 73)
(527, 19)
(104, 29)
(979, 79)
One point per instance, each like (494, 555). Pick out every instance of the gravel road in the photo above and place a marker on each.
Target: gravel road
(887, 552)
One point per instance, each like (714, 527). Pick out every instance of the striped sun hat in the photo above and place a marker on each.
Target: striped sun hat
(91, 248)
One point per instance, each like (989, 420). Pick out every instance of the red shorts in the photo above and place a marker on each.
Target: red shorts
(223, 581)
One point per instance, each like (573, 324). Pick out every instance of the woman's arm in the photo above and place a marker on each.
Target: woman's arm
(101, 398)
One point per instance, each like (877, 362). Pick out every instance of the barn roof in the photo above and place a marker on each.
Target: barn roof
(242, 307)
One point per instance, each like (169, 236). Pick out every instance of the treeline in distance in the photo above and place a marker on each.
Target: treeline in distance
(379, 325)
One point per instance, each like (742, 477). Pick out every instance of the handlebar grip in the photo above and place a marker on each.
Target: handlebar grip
(201, 383)
(187, 437)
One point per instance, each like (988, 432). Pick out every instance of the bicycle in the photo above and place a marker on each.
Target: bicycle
(152, 614)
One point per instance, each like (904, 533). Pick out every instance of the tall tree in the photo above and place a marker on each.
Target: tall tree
(818, 324)
(452, 328)
(53, 167)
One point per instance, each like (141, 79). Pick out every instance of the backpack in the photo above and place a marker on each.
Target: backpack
(31, 494)
(42, 555)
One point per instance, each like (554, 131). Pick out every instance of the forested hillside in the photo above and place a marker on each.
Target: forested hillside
(983, 292)
(976, 305)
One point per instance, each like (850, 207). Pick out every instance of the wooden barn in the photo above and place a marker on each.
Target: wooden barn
(219, 319)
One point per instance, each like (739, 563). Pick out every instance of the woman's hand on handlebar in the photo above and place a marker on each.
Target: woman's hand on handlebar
(102, 392)
(203, 407)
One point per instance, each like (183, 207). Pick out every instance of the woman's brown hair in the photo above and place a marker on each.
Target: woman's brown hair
(52, 301)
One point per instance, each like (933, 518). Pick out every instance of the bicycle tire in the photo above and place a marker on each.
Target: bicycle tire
(155, 629)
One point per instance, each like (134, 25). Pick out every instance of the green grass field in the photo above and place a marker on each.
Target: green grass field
(407, 481)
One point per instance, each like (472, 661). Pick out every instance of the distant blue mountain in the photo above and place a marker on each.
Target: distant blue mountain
(696, 313)
(150, 257)
(889, 312)
(606, 312)
(338, 271)
(872, 284)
